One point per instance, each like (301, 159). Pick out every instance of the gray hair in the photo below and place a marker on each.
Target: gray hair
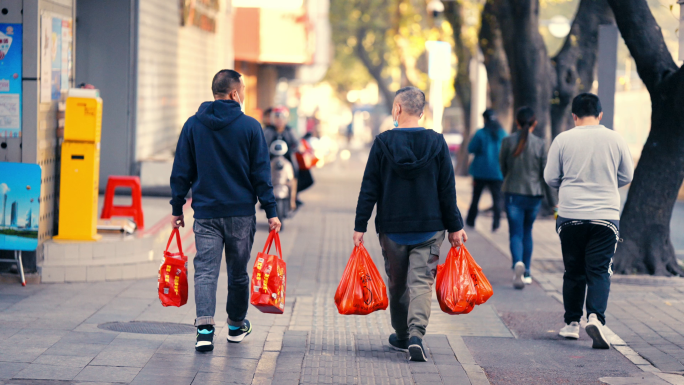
(412, 100)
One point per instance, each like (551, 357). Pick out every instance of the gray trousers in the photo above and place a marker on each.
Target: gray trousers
(411, 274)
(236, 234)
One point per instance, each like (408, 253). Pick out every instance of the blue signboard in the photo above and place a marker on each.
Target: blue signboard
(10, 79)
(19, 206)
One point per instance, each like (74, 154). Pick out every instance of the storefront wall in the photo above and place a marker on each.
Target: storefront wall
(175, 67)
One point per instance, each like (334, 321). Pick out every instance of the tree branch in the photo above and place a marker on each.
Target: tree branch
(375, 71)
(636, 23)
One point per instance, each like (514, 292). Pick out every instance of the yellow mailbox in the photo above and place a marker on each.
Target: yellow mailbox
(80, 173)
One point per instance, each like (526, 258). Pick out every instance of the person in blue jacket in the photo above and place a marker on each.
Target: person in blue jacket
(485, 169)
(222, 155)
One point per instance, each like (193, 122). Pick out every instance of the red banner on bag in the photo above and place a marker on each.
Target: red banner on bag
(173, 275)
(269, 278)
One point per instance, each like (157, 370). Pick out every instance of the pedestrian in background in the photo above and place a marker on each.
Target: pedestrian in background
(485, 169)
(280, 130)
(410, 177)
(222, 155)
(266, 117)
(523, 158)
(588, 164)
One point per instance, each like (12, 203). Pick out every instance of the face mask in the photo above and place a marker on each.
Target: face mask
(242, 105)
(395, 121)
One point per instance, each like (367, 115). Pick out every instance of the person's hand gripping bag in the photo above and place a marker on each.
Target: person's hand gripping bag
(456, 292)
(482, 286)
(269, 278)
(173, 275)
(361, 290)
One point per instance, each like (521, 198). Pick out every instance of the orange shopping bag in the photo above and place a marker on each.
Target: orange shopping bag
(173, 275)
(361, 290)
(268, 278)
(482, 286)
(456, 291)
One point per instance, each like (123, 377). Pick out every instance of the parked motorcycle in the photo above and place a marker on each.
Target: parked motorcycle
(282, 177)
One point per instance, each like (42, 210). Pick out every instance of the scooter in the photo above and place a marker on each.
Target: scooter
(282, 177)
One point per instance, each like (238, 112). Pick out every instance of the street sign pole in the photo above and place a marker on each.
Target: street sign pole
(439, 70)
(681, 30)
(607, 71)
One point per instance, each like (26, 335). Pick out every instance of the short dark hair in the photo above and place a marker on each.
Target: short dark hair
(412, 99)
(489, 115)
(224, 82)
(586, 104)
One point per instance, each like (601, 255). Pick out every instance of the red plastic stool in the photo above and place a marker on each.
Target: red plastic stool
(135, 210)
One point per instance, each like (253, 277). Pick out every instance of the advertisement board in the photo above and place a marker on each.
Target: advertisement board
(10, 80)
(19, 206)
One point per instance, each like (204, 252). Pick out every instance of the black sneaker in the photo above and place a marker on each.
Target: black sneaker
(396, 343)
(415, 348)
(238, 335)
(205, 339)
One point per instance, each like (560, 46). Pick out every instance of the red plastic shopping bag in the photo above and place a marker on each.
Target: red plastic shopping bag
(482, 286)
(269, 278)
(456, 291)
(306, 159)
(361, 290)
(173, 275)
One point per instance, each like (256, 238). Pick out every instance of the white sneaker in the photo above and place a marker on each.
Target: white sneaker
(595, 330)
(519, 269)
(527, 280)
(570, 331)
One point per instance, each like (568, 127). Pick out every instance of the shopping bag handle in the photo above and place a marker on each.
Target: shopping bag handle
(175, 232)
(273, 236)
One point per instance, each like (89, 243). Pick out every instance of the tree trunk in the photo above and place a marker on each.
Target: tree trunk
(576, 62)
(498, 75)
(645, 222)
(527, 58)
(453, 12)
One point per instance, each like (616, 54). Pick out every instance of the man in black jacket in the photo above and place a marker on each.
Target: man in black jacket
(410, 176)
(222, 155)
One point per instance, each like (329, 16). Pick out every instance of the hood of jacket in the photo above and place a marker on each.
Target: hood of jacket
(219, 114)
(409, 152)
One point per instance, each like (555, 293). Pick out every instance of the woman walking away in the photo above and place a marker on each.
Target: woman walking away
(523, 158)
(485, 169)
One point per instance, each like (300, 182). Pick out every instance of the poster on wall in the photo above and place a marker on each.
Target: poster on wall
(45, 58)
(10, 79)
(55, 56)
(65, 67)
(19, 206)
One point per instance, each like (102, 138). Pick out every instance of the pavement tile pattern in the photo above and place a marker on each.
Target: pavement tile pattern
(49, 333)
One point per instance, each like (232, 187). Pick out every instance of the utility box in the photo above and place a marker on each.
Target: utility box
(80, 171)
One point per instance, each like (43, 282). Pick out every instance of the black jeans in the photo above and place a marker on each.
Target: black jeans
(494, 188)
(588, 249)
(236, 234)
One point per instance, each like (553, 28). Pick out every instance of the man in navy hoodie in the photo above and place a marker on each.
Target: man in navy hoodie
(410, 176)
(222, 156)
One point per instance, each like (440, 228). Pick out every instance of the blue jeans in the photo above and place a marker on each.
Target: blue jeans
(521, 211)
(236, 234)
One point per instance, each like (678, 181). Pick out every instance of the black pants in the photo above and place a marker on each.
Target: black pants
(588, 249)
(494, 188)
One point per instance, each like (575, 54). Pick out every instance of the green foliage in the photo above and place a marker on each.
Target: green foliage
(381, 40)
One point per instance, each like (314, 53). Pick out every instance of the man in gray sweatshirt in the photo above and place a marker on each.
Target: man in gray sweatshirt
(588, 164)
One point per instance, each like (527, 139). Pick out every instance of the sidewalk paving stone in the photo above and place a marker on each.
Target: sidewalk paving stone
(312, 343)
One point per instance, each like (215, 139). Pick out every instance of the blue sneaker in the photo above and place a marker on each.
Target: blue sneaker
(416, 350)
(237, 335)
(205, 339)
